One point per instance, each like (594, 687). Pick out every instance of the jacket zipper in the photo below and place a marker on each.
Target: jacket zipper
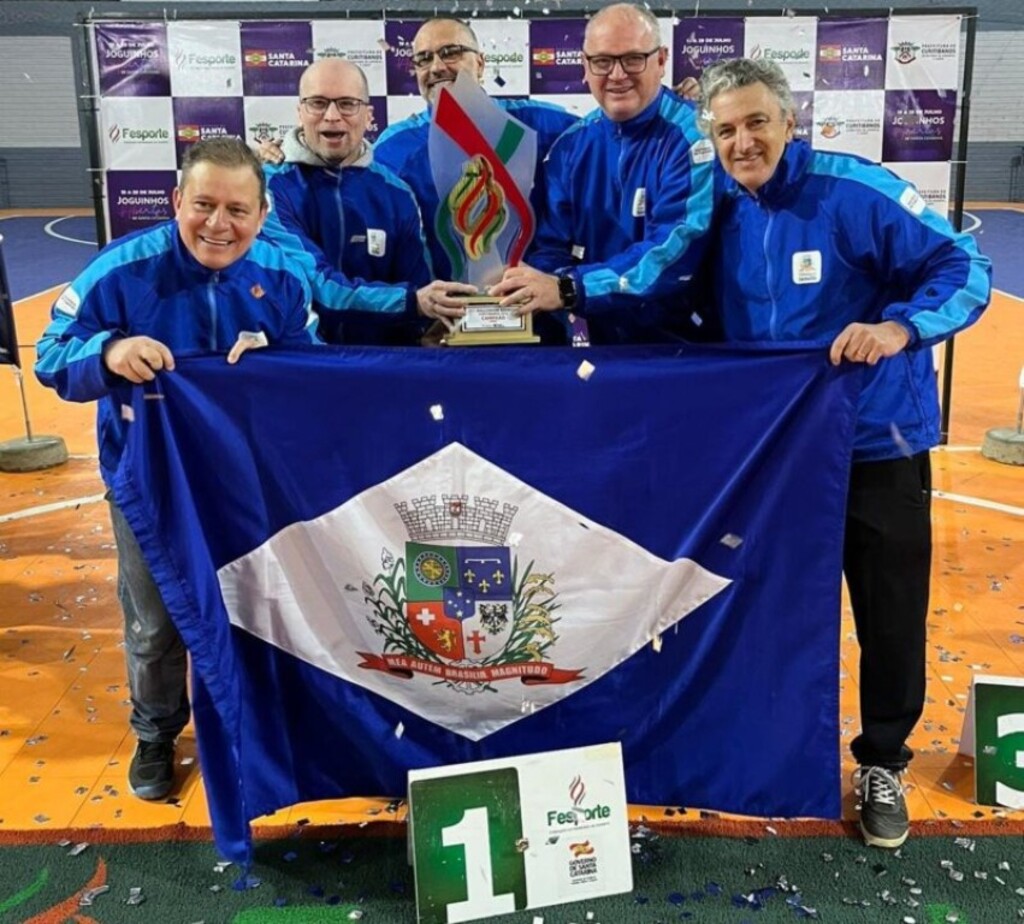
(211, 298)
(773, 318)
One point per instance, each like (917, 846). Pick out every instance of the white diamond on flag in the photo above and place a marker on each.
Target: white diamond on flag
(457, 608)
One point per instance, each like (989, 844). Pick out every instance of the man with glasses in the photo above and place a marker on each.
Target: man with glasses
(441, 49)
(816, 245)
(351, 223)
(628, 195)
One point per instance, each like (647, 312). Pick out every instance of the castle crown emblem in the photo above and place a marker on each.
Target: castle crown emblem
(454, 517)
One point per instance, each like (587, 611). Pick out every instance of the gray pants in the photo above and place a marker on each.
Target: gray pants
(153, 650)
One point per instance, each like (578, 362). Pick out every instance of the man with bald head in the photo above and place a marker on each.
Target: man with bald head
(627, 198)
(351, 223)
(441, 49)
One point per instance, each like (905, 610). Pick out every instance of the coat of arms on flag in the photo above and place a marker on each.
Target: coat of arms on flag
(470, 615)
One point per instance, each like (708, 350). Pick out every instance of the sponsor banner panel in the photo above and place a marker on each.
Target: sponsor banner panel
(789, 42)
(919, 125)
(506, 48)
(137, 133)
(131, 58)
(924, 52)
(851, 55)
(151, 76)
(398, 36)
(198, 118)
(206, 58)
(138, 198)
(849, 121)
(361, 42)
(699, 43)
(274, 55)
(556, 56)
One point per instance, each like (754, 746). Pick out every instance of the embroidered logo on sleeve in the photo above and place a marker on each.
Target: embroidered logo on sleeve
(68, 302)
(911, 200)
(807, 267)
(376, 242)
(640, 202)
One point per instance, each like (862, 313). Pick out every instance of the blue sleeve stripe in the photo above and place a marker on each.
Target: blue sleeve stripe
(967, 302)
(392, 135)
(391, 178)
(656, 260)
(331, 294)
(153, 243)
(55, 354)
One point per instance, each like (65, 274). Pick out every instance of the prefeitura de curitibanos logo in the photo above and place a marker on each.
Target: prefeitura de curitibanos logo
(466, 612)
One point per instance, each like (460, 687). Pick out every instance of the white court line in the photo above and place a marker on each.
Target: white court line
(957, 449)
(979, 502)
(50, 508)
(48, 228)
(975, 226)
(1016, 298)
(59, 285)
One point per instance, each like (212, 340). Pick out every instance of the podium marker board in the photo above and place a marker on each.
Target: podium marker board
(993, 734)
(498, 836)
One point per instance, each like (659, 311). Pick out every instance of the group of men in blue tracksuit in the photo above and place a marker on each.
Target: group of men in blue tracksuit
(635, 203)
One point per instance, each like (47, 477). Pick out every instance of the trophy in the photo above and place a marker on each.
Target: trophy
(482, 160)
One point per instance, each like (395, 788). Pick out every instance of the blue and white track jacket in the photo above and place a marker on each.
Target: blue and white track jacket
(148, 284)
(627, 208)
(356, 232)
(832, 239)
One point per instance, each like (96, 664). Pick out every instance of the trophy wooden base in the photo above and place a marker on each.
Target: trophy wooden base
(487, 324)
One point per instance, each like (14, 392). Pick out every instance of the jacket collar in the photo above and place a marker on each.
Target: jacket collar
(192, 268)
(296, 152)
(640, 122)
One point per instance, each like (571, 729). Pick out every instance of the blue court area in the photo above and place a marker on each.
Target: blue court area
(1000, 237)
(41, 252)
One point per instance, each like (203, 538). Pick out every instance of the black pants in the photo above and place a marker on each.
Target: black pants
(887, 562)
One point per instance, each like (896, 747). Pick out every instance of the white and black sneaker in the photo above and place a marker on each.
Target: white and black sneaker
(883, 809)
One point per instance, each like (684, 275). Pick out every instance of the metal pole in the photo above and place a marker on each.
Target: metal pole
(24, 403)
(958, 210)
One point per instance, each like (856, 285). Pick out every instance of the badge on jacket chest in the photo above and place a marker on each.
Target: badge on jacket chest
(806, 267)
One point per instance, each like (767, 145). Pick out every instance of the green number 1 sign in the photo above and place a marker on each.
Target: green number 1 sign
(467, 846)
(516, 833)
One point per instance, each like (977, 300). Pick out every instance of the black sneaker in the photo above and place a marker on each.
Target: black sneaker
(883, 809)
(151, 774)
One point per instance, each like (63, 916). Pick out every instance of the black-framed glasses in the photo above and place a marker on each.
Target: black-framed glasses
(633, 62)
(448, 54)
(346, 105)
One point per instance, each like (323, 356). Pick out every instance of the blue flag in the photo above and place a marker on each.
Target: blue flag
(392, 559)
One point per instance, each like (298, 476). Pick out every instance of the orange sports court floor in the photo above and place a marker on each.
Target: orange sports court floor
(64, 738)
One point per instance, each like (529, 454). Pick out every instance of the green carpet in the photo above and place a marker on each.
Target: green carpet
(931, 880)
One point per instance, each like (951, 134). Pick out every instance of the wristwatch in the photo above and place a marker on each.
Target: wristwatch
(567, 290)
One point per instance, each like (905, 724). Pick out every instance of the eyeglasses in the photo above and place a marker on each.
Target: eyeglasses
(634, 62)
(448, 54)
(346, 105)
